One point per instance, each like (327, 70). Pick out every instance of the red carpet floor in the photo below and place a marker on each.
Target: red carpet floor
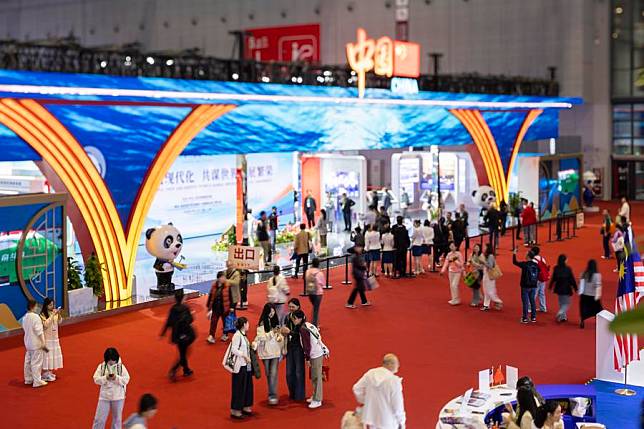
(441, 348)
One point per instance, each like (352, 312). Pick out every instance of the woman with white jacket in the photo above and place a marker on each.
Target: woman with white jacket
(372, 249)
(268, 344)
(113, 378)
(428, 242)
(277, 292)
(242, 384)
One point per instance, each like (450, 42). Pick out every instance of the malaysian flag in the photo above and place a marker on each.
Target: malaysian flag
(629, 290)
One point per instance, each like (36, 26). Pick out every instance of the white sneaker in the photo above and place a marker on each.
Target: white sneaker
(41, 384)
(49, 377)
(211, 339)
(315, 404)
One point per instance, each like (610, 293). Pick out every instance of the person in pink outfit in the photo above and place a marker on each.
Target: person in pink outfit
(454, 265)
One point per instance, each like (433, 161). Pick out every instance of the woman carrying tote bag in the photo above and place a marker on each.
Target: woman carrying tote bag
(491, 272)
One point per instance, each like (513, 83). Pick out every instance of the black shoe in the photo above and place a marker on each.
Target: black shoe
(188, 373)
(235, 416)
(172, 375)
(247, 413)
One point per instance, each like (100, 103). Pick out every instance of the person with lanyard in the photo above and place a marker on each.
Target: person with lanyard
(294, 354)
(310, 206)
(346, 205)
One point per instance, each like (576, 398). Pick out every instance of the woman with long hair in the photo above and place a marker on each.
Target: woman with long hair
(387, 241)
(490, 294)
(417, 240)
(527, 409)
(549, 416)
(476, 264)
(54, 358)
(295, 354)
(372, 250)
(454, 264)
(242, 373)
(268, 344)
(322, 227)
(277, 292)
(564, 285)
(591, 293)
(315, 282)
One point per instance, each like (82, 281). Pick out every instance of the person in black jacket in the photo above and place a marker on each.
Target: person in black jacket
(563, 283)
(493, 222)
(183, 334)
(401, 244)
(440, 241)
(359, 268)
(529, 278)
(458, 229)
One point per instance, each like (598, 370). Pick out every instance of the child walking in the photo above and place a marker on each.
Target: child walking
(53, 360)
(113, 378)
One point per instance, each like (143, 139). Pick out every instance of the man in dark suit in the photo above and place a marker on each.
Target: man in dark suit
(401, 245)
(346, 204)
(310, 205)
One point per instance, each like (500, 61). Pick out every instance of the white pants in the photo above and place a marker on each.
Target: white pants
(454, 279)
(33, 366)
(103, 409)
(489, 291)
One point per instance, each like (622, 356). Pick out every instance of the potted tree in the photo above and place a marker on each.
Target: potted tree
(80, 299)
(94, 276)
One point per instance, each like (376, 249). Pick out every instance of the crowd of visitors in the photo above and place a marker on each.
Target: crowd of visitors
(284, 333)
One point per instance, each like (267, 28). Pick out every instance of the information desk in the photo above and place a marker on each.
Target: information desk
(486, 407)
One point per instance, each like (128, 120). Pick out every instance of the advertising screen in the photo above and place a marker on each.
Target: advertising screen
(344, 182)
(270, 183)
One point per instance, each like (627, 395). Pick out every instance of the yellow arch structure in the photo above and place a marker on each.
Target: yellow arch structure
(66, 156)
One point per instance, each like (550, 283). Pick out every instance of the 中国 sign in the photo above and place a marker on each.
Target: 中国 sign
(385, 56)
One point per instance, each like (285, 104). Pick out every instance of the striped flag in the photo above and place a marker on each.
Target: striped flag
(629, 290)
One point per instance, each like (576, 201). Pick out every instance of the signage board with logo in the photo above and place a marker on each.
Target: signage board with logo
(284, 44)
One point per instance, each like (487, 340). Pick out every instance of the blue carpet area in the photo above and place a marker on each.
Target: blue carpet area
(618, 412)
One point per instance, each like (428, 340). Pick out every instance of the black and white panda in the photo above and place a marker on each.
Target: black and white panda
(484, 196)
(164, 242)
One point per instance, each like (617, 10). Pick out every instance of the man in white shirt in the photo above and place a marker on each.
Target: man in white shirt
(35, 345)
(380, 390)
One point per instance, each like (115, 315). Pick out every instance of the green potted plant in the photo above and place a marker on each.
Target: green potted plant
(94, 275)
(80, 299)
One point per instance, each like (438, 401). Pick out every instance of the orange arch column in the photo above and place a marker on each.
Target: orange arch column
(485, 143)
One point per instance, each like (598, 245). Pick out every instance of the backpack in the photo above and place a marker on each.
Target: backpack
(532, 274)
(229, 322)
(311, 283)
(544, 271)
(183, 330)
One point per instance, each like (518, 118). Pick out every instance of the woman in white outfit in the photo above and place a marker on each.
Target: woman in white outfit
(277, 292)
(387, 241)
(489, 286)
(454, 263)
(428, 242)
(54, 359)
(268, 344)
(417, 240)
(113, 378)
(372, 249)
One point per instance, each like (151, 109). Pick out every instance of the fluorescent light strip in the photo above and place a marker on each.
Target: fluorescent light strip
(144, 93)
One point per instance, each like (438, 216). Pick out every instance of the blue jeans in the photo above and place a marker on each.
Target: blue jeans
(270, 367)
(541, 295)
(316, 300)
(527, 299)
(295, 373)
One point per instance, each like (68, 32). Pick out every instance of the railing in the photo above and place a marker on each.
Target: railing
(68, 56)
(565, 228)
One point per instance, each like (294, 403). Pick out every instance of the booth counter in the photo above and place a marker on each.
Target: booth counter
(486, 407)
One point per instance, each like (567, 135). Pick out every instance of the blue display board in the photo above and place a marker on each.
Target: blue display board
(38, 229)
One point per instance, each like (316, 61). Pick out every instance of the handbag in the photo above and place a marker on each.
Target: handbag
(471, 278)
(325, 373)
(254, 363)
(372, 283)
(494, 272)
(229, 359)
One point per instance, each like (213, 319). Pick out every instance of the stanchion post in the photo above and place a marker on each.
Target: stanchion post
(514, 236)
(346, 280)
(536, 233)
(327, 286)
(550, 230)
(433, 256)
(574, 226)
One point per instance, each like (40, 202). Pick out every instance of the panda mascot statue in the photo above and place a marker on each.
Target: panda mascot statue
(164, 242)
(484, 196)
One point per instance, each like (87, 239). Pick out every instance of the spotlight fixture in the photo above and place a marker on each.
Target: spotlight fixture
(169, 62)
(103, 64)
(235, 76)
(266, 79)
(150, 60)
